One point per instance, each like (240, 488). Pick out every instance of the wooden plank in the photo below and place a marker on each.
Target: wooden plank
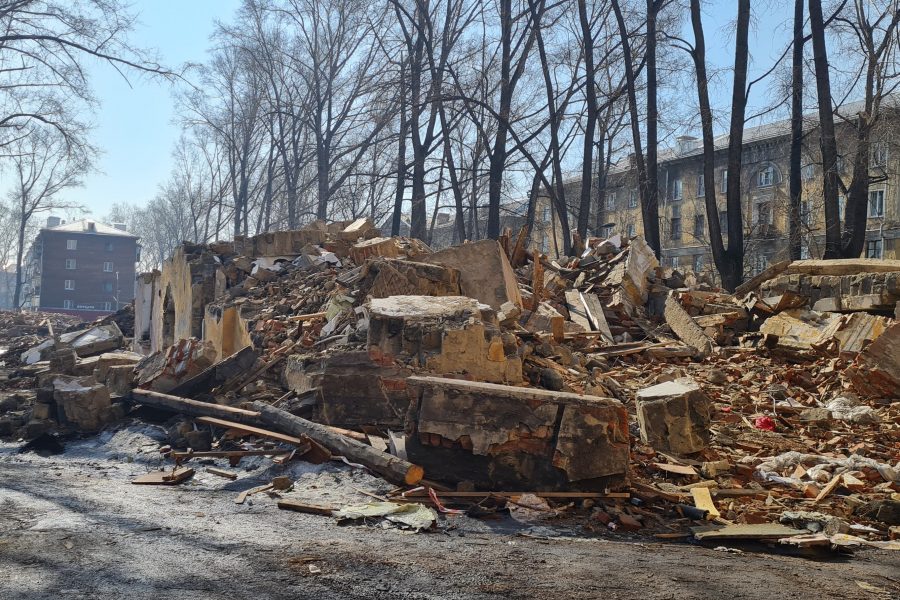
(240, 498)
(222, 473)
(703, 500)
(311, 509)
(594, 309)
(577, 312)
(173, 477)
(764, 531)
(249, 429)
(592, 495)
(826, 491)
(676, 469)
(309, 317)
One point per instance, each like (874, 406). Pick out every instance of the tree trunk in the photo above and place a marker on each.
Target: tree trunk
(827, 140)
(20, 251)
(401, 158)
(392, 468)
(795, 223)
(650, 206)
(584, 203)
(650, 225)
(498, 156)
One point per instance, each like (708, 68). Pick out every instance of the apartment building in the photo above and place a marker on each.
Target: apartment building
(764, 183)
(82, 268)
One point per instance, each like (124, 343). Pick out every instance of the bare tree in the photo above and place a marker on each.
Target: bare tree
(44, 163)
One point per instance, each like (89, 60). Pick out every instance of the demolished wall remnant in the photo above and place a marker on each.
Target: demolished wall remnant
(485, 272)
(448, 334)
(503, 437)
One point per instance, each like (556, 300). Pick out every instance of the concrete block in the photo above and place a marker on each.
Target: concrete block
(485, 272)
(82, 401)
(674, 416)
(504, 437)
(384, 278)
(875, 372)
(443, 335)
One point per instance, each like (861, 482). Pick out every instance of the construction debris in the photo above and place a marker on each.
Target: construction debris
(604, 388)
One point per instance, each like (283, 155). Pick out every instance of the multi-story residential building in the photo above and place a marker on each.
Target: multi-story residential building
(82, 268)
(764, 181)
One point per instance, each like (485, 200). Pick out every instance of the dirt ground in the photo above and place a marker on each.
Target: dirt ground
(72, 526)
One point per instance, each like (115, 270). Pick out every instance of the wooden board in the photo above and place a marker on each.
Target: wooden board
(311, 509)
(249, 429)
(222, 473)
(594, 309)
(703, 500)
(173, 477)
(676, 469)
(764, 531)
(577, 312)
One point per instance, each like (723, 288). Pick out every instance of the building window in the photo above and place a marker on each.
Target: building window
(70, 264)
(545, 245)
(804, 251)
(760, 263)
(67, 304)
(70, 284)
(699, 226)
(763, 212)
(629, 230)
(808, 172)
(873, 249)
(676, 188)
(107, 267)
(766, 176)
(109, 246)
(673, 262)
(107, 306)
(840, 164)
(611, 202)
(108, 286)
(878, 156)
(701, 185)
(723, 221)
(675, 229)
(724, 181)
(842, 204)
(876, 203)
(71, 244)
(698, 263)
(608, 230)
(632, 199)
(546, 214)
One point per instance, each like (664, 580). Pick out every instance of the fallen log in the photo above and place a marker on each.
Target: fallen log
(194, 408)
(390, 467)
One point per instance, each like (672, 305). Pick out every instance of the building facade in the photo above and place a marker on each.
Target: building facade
(765, 196)
(82, 268)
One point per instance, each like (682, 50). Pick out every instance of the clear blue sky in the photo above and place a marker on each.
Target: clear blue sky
(136, 128)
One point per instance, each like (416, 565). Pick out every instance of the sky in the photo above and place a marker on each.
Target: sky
(136, 125)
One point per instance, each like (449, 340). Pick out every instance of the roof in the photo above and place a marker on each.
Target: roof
(759, 133)
(85, 226)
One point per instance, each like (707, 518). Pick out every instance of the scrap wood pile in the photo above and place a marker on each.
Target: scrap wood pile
(599, 391)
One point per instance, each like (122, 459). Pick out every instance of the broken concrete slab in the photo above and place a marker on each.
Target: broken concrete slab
(447, 334)
(111, 359)
(379, 247)
(383, 278)
(82, 402)
(350, 389)
(674, 416)
(164, 370)
(875, 372)
(682, 325)
(485, 272)
(800, 330)
(504, 437)
(547, 319)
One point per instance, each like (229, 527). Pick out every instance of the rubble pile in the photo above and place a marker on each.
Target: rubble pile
(616, 394)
